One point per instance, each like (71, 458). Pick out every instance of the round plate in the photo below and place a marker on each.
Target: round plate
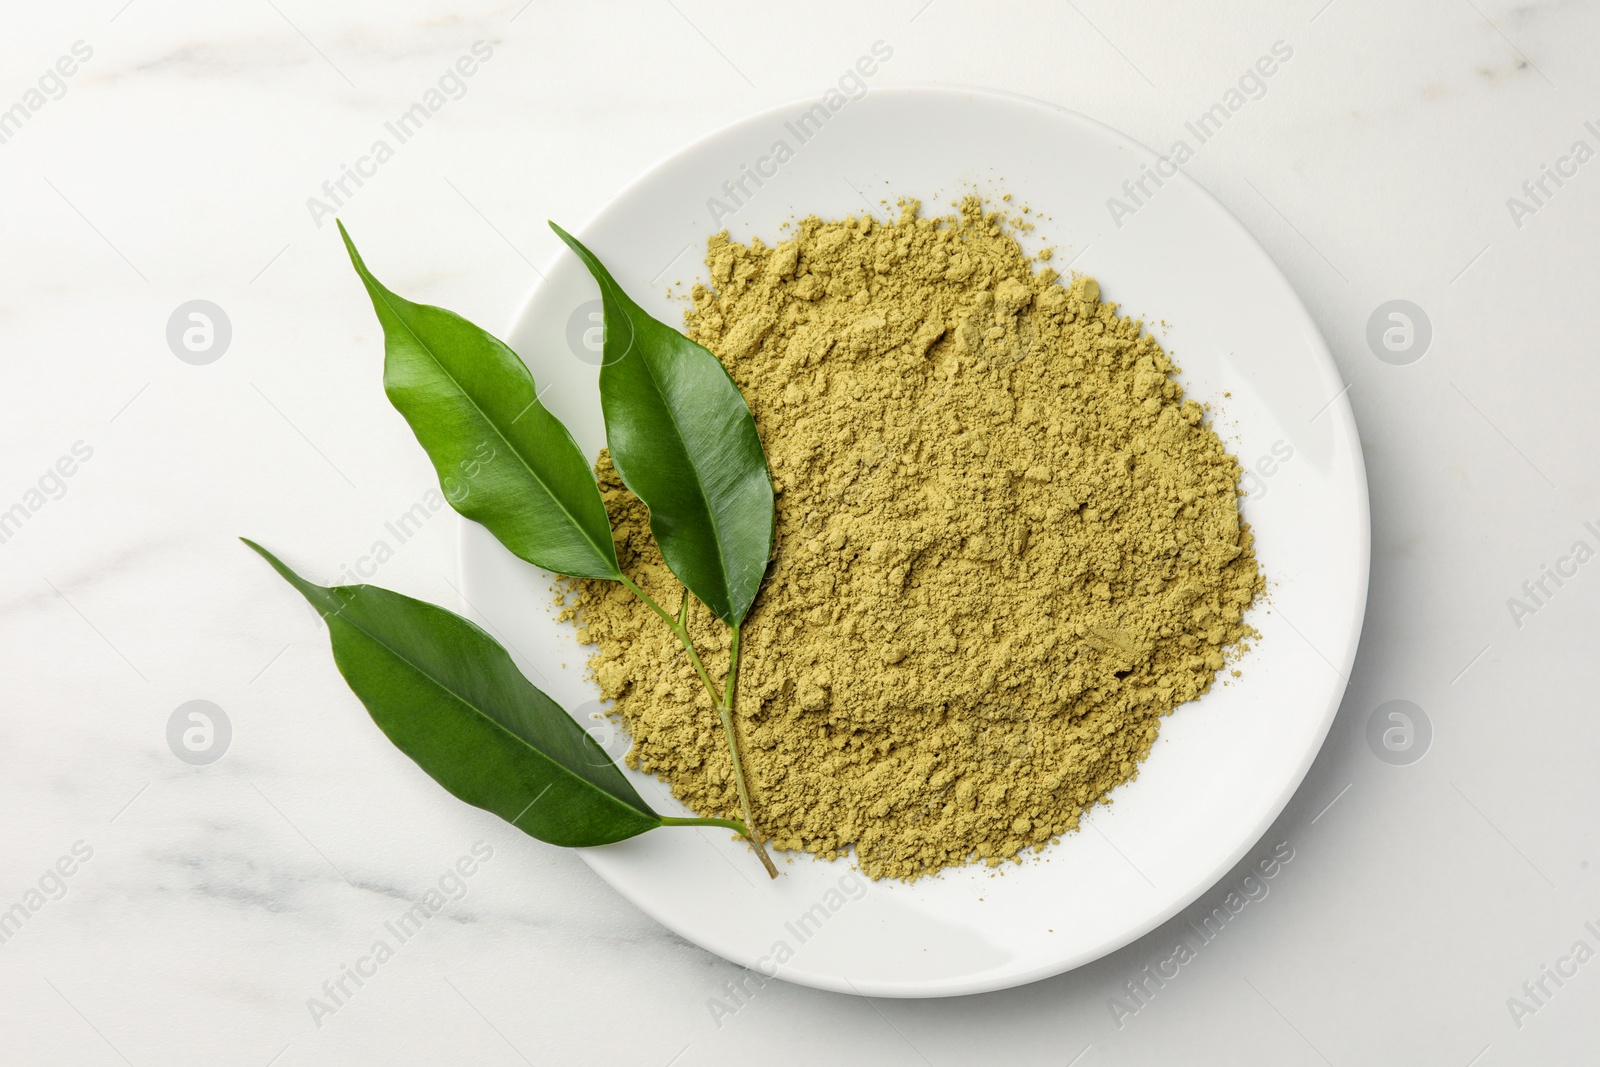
(1224, 766)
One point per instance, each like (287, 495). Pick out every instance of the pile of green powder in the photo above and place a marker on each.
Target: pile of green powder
(1006, 547)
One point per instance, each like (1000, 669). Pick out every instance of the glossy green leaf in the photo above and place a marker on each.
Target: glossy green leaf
(502, 458)
(449, 697)
(684, 442)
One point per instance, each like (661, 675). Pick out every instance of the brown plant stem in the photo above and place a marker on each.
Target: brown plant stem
(726, 712)
(679, 625)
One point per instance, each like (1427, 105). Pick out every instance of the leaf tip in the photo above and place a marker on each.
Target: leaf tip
(350, 247)
(283, 569)
(277, 564)
(608, 287)
(570, 241)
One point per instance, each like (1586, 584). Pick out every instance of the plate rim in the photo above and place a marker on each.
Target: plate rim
(1339, 408)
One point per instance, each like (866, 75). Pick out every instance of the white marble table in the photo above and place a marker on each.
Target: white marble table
(170, 158)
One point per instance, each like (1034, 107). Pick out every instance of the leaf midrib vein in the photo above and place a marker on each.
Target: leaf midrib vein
(582, 531)
(711, 518)
(464, 702)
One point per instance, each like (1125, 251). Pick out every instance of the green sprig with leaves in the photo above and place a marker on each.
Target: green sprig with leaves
(684, 442)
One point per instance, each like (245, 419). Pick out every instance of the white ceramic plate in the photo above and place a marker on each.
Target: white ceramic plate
(1224, 766)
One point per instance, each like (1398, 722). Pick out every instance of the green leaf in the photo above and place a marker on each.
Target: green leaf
(502, 458)
(684, 442)
(449, 697)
